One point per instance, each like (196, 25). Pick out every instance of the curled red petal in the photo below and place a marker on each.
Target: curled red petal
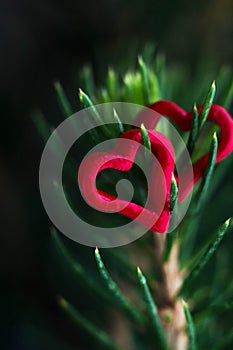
(183, 120)
(122, 158)
(164, 108)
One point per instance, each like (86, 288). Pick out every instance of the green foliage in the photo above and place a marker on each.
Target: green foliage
(152, 311)
(117, 120)
(140, 86)
(150, 81)
(227, 99)
(207, 105)
(209, 251)
(145, 79)
(42, 126)
(63, 100)
(173, 193)
(194, 131)
(78, 269)
(99, 336)
(206, 180)
(145, 137)
(86, 102)
(115, 291)
(190, 327)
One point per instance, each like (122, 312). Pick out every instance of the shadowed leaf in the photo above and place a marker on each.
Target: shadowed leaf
(98, 335)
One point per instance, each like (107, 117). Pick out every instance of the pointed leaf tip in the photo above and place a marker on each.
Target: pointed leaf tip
(194, 131)
(173, 193)
(81, 93)
(145, 79)
(145, 137)
(208, 175)
(61, 301)
(207, 254)
(52, 230)
(96, 251)
(113, 288)
(207, 105)
(141, 277)
(62, 99)
(190, 327)
(227, 222)
(152, 311)
(117, 119)
(140, 60)
(110, 70)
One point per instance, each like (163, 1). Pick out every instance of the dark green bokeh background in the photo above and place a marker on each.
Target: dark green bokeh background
(48, 40)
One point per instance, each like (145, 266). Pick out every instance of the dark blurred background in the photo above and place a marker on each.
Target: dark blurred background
(48, 40)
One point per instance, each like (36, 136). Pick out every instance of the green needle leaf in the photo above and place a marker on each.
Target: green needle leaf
(74, 265)
(194, 131)
(42, 126)
(214, 310)
(228, 95)
(209, 251)
(97, 334)
(145, 137)
(63, 100)
(118, 121)
(133, 89)
(62, 249)
(206, 181)
(173, 193)
(152, 310)
(145, 79)
(115, 291)
(112, 85)
(190, 327)
(86, 102)
(87, 79)
(207, 105)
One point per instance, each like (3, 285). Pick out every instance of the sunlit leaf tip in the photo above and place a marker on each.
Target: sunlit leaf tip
(190, 327)
(207, 105)
(145, 137)
(118, 121)
(173, 193)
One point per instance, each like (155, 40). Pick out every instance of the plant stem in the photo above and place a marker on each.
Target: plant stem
(170, 309)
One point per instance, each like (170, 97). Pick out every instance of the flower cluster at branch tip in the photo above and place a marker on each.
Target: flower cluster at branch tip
(122, 158)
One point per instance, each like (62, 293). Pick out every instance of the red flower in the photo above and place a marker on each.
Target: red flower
(183, 119)
(122, 158)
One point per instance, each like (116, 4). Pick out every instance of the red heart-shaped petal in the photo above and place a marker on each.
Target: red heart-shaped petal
(122, 158)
